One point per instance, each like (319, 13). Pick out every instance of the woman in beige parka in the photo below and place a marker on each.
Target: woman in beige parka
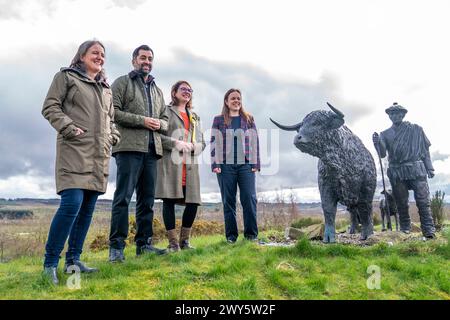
(79, 107)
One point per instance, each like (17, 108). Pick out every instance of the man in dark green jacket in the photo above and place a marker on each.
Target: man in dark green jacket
(140, 115)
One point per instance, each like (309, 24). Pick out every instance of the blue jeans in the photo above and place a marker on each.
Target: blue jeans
(72, 220)
(232, 176)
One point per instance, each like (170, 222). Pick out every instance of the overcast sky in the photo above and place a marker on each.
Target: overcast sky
(288, 58)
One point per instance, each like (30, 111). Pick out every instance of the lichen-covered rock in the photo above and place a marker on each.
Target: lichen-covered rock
(313, 232)
(415, 228)
(293, 233)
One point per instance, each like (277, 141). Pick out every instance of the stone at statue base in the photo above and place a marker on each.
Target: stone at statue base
(312, 232)
(293, 233)
(415, 227)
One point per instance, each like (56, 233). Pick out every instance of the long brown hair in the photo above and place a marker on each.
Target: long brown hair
(174, 90)
(226, 112)
(82, 50)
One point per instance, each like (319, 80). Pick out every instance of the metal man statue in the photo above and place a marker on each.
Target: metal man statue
(409, 165)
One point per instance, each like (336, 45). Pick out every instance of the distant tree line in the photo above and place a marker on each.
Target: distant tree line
(15, 214)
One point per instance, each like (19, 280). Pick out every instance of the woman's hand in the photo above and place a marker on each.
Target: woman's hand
(217, 170)
(183, 146)
(78, 131)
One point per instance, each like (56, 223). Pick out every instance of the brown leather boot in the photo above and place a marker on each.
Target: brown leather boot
(173, 241)
(184, 238)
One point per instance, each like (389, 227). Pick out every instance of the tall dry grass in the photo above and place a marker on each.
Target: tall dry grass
(27, 237)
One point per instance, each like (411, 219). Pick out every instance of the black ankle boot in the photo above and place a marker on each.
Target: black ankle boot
(51, 273)
(73, 266)
(149, 248)
(116, 255)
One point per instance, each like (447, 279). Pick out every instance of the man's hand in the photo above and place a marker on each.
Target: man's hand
(376, 140)
(152, 123)
(217, 170)
(430, 173)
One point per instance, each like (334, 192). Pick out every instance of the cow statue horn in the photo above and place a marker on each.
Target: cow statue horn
(287, 128)
(339, 113)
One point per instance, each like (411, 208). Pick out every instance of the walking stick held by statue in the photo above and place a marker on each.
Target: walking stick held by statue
(386, 201)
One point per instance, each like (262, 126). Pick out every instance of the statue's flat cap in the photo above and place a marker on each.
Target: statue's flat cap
(396, 108)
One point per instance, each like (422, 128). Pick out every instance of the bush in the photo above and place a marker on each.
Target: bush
(200, 227)
(305, 248)
(377, 219)
(305, 222)
(342, 223)
(437, 209)
(15, 214)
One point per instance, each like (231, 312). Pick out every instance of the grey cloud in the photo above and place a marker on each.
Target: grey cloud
(14, 9)
(440, 182)
(10, 9)
(131, 4)
(28, 141)
(263, 95)
(437, 156)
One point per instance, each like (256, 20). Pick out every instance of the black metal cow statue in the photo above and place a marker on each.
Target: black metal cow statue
(346, 168)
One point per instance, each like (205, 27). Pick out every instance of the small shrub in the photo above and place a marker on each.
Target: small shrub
(376, 220)
(200, 227)
(15, 214)
(304, 247)
(100, 242)
(342, 223)
(437, 209)
(305, 222)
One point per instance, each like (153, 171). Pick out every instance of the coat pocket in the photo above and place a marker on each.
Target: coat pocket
(77, 155)
(71, 135)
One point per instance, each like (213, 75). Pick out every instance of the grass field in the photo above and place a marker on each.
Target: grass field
(246, 270)
(217, 270)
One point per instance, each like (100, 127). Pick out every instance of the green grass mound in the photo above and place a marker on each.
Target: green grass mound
(247, 270)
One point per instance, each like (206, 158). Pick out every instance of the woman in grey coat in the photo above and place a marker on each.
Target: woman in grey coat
(178, 179)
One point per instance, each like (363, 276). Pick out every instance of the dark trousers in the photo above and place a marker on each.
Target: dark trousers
(72, 219)
(190, 211)
(422, 196)
(135, 170)
(232, 176)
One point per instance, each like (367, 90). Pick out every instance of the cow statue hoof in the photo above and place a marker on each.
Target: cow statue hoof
(365, 235)
(352, 230)
(329, 236)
